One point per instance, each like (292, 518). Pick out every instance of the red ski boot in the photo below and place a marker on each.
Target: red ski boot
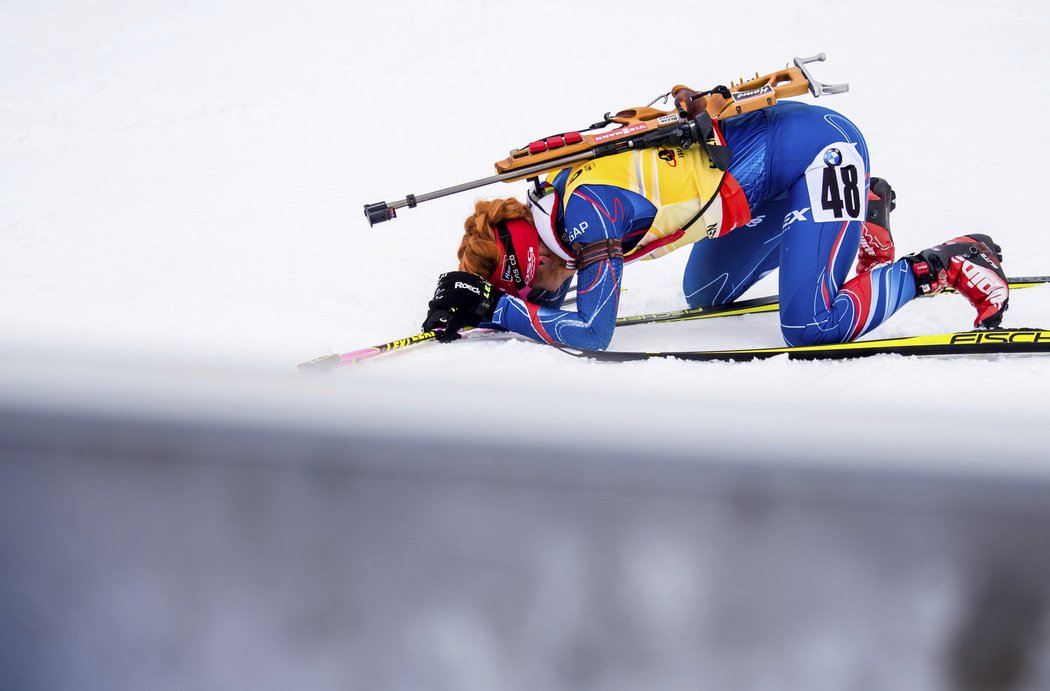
(876, 242)
(972, 265)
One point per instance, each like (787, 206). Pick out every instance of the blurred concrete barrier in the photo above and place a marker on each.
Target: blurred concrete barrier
(170, 547)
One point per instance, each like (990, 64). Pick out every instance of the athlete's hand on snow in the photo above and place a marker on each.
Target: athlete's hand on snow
(460, 300)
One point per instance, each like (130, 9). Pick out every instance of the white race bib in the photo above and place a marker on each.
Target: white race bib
(835, 180)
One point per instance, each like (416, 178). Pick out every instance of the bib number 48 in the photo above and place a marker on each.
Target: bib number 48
(840, 191)
(835, 183)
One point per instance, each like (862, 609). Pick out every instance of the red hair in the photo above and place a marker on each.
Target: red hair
(479, 251)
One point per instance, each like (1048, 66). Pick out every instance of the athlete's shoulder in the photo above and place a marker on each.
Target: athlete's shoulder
(790, 110)
(596, 212)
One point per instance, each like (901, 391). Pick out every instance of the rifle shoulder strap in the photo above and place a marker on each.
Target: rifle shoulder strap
(594, 252)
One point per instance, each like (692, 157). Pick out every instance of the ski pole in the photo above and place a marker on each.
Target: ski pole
(336, 361)
(328, 363)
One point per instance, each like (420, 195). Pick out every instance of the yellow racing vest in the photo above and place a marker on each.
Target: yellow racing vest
(680, 183)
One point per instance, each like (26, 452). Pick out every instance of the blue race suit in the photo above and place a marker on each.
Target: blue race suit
(804, 171)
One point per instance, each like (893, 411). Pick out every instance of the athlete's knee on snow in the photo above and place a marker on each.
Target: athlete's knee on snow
(802, 324)
(808, 336)
(712, 283)
(717, 292)
(696, 298)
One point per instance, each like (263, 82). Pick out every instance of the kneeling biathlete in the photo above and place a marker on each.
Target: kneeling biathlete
(796, 196)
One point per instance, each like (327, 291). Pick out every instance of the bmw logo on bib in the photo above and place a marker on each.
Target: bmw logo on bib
(832, 157)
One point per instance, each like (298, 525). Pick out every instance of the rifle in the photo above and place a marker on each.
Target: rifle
(637, 128)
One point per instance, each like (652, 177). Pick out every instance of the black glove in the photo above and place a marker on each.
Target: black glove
(460, 300)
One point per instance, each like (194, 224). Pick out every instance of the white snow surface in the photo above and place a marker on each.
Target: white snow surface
(182, 183)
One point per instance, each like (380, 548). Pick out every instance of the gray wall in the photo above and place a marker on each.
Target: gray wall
(147, 551)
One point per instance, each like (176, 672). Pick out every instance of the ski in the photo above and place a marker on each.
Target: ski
(336, 361)
(769, 303)
(998, 341)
